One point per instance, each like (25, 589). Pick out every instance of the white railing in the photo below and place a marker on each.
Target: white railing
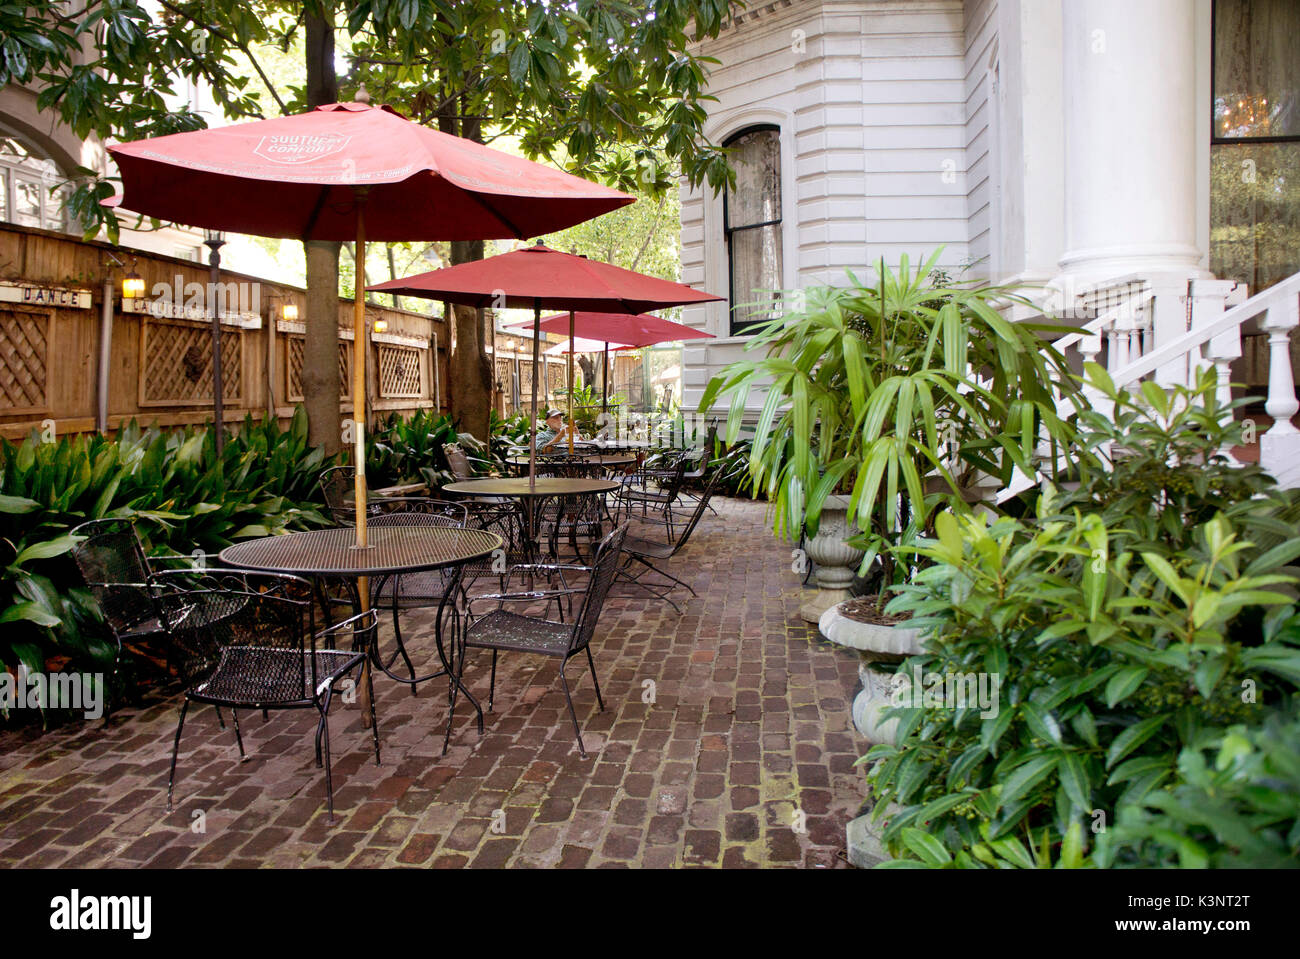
(1216, 311)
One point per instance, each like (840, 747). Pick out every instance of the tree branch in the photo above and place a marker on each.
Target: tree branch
(266, 81)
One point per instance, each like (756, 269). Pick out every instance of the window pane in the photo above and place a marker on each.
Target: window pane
(756, 198)
(1256, 68)
(27, 202)
(4, 195)
(1255, 212)
(755, 274)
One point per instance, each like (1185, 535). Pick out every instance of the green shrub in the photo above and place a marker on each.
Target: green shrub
(1237, 805)
(186, 500)
(409, 450)
(1125, 621)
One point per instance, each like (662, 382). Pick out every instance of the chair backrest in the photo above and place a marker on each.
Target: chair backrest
(604, 568)
(338, 486)
(458, 462)
(235, 615)
(696, 514)
(114, 567)
(677, 478)
(417, 511)
(502, 518)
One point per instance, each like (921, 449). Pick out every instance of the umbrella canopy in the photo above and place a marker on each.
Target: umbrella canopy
(350, 171)
(560, 281)
(296, 177)
(538, 276)
(639, 329)
(581, 345)
(634, 329)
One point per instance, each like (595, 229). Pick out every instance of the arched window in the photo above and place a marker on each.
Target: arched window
(26, 179)
(751, 213)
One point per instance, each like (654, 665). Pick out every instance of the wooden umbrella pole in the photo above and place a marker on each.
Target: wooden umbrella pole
(604, 381)
(359, 432)
(571, 382)
(359, 376)
(532, 433)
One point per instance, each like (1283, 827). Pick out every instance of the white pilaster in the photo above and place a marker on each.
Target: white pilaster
(1130, 138)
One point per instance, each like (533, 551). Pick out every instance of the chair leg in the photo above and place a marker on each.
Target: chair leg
(374, 719)
(221, 720)
(401, 647)
(666, 575)
(325, 730)
(592, 663)
(176, 747)
(573, 715)
(451, 714)
(234, 714)
(492, 683)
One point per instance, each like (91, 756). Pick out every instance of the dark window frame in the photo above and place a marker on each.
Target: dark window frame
(1222, 140)
(740, 327)
(1214, 78)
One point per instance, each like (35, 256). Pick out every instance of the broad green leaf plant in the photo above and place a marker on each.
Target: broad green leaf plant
(905, 392)
(1129, 622)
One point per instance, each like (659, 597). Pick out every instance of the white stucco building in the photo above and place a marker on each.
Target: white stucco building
(1109, 149)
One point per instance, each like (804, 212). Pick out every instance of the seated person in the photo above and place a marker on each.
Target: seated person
(555, 434)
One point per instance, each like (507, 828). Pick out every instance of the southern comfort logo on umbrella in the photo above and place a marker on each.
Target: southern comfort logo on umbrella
(299, 149)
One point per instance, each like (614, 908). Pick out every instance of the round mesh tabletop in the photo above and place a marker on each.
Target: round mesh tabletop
(333, 552)
(518, 486)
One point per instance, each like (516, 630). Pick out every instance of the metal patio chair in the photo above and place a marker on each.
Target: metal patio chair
(337, 486)
(502, 630)
(659, 499)
(647, 553)
(700, 470)
(252, 644)
(114, 567)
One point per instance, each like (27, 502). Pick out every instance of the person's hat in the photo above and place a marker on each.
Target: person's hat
(553, 412)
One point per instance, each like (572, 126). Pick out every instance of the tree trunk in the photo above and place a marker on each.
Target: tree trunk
(588, 367)
(469, 371)
(468, 368)
(320, 358)
(320, 361)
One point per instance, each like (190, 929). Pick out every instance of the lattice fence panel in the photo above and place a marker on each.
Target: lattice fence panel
(24, 361)
(505, 381)
(556, 378)
(525, 381)
(293, 366)
(400, 370)
(177, 364)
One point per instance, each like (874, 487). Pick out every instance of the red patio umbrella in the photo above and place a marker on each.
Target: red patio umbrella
(351, 171)
(536, 276)
(634, 330)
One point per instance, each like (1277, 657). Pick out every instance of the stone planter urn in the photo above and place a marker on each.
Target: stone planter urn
(836, 562)
(874, 643)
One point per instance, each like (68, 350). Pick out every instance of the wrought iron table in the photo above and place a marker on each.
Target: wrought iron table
(392, 550)
(531, 496)
(594, 465)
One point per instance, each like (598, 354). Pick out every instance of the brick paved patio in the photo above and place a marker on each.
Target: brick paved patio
(745, 757)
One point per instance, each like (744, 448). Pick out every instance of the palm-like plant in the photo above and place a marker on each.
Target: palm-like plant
(903, 393)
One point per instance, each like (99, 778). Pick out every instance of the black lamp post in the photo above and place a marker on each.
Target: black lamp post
(214, 240)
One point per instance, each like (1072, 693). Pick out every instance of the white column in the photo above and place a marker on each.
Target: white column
(1130, 138)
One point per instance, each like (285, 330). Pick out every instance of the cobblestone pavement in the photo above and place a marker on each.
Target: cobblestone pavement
(725, 741)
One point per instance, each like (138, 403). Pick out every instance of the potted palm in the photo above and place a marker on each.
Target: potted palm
(886, 401)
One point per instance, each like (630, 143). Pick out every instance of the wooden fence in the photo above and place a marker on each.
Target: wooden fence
(69, 365)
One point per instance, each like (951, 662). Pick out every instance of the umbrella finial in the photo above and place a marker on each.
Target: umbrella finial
(362, 96)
